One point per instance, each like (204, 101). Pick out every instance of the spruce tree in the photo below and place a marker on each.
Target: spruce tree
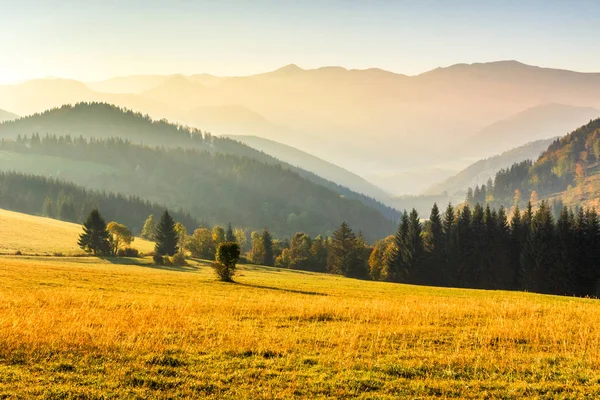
(166, 236)
(397, 269)
(267, 241)
(413, 247)
(518, 235)
(434, 245)
(95, 237)
(229, 235)
(449, 272)
(342, 251)
(464, 246)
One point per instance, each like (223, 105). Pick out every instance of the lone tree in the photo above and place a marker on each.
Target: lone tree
(149, 229)
(95, 237)
(167, 237)
(228, 254)
(267, 241)
(121, 236)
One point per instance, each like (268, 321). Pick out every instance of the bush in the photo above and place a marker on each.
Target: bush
(228, 254)
(158, 259)
(178, 259)
(128, 252)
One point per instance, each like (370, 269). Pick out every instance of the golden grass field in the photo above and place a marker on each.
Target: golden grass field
(92, 328)
(37, 235)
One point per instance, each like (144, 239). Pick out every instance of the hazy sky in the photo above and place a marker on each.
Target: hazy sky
(90, 40)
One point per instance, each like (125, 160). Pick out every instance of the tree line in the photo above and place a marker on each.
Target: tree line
(479, 247)
(57, 199)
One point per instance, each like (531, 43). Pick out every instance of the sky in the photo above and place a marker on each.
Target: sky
(94, 40)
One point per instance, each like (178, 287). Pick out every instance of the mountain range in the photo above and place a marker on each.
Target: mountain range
(377, 124)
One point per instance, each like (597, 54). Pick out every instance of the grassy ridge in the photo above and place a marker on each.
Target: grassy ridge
(89, 328)
(38, 235)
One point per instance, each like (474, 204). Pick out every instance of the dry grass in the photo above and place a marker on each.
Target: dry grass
(38, 235)
(87, 328)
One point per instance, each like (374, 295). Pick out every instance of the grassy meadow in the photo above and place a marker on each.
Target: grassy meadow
(83, 327)
(45, 236)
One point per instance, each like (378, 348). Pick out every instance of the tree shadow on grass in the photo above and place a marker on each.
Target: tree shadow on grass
(280, 289)
(141, 262)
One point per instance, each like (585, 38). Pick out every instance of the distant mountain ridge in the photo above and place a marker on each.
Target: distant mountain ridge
(357, 119)
(313, 164)
(479, 172)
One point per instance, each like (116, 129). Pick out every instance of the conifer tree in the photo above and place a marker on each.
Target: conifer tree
(539, 251)
(464, 245)
(342, 251)
(229, 235)
(413, 247)
(518, 235)
(166, 236)
(95, 237)
(434, 245)
(449, 272)
(397, 268)
(267, 242)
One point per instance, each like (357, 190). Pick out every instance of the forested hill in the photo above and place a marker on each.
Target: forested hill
(54, 198)
(567, 164)
(101, 120)
(213, 187)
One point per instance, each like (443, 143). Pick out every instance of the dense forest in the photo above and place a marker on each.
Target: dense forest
(213, 187)
(565, 164)
(68, 202)
(103, 121)
(479, 248)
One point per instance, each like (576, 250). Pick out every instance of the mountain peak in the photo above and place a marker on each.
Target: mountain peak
(289, 69)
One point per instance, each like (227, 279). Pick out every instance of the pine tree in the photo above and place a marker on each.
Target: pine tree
(413, 247)
(518, 236)
(229, 236)
(397, 270)
(267, 242)
(149, 229)
(166, 236)
(540, 251)
(562, 271)
(342, 251)
(434, 245)
(464, 246)
(95, 237)
(449, 272)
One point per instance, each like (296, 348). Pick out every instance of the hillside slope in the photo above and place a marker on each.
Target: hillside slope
(314, 164)
(212, 187)
(562, 170)
(536, 123)
(479, 172)
(101, 120)
(6, 116)
(39, 235)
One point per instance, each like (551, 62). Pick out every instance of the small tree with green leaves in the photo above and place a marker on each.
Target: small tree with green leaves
(149, 229)
(95, 237)
(228, 254)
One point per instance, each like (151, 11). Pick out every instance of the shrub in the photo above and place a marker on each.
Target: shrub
(178, 259)
(18, 253)
(228, 254)
(128, 252)
(158, 259)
